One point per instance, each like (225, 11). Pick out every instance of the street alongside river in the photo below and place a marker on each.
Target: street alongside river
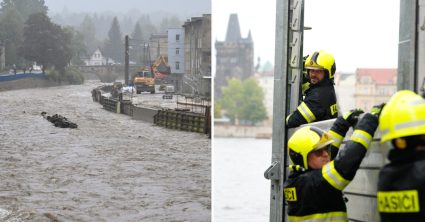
(111, 168)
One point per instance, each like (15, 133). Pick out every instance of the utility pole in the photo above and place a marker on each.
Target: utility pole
(127, 60)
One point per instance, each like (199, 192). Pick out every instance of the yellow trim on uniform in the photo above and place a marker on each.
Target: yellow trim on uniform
(290, 194)
(306, 112)
(330, 216)
(361, 137)
(333, 177)
(336, 137)
(401, 201)
(334, 109)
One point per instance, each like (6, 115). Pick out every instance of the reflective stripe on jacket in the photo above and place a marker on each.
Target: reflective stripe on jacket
(401, 187)
(316, 195)
(319, 104)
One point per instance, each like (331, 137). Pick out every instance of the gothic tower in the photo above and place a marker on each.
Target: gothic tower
(235, 56)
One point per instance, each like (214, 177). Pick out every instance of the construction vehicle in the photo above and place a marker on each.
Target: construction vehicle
(144, 81)
(362, 191)
(161, 69)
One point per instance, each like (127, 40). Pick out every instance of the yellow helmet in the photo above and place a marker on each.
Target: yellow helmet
(321, 61)
(403, 115)
(305, 140)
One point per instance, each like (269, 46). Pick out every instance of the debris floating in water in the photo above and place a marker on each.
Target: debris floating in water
(59, 121)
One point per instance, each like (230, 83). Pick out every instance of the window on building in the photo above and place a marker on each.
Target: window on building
(177, 65)
(177, 51)
(177, 37)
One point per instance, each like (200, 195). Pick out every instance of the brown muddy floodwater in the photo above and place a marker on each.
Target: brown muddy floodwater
(111, 168)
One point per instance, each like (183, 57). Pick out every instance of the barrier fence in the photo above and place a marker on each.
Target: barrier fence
(168, 118)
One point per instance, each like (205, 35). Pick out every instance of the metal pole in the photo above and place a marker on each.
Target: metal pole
(279, 111)
(127, 60)
(288, 70)
(407, 46)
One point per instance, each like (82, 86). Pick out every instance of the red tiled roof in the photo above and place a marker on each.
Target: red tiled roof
(379, 76)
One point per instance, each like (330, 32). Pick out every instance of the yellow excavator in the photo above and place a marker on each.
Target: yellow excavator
(144, 80)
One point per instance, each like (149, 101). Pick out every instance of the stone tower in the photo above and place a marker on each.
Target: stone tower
(235, 56)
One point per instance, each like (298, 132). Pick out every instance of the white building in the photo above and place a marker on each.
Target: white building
(266, 82)
(344, 89)
(97, 59)
(176, 50)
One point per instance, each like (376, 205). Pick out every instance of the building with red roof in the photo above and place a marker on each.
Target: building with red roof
(374, 86)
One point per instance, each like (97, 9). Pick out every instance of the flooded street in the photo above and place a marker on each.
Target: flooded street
(111, 168)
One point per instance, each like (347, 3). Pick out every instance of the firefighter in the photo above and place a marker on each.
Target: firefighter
(401, 184)
(313, 190)
(320, 100)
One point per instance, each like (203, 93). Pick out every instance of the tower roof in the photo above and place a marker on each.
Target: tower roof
(233, 30)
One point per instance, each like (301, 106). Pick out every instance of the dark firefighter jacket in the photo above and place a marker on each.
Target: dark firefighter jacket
(316, 195)
(319, 104)
(401, 187)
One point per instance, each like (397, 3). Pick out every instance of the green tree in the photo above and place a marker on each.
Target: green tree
(25, 8)
(232, 99)
(77, 46)
(11, 28)
(243, 101)
(147, 26)
(88, 30)
(170, 22)
(137, 47)
(46, 43)
(114, 45)
(217, 110)
(253, 109)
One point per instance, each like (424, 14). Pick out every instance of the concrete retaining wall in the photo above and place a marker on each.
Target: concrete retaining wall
(9, 83)
(144, 114)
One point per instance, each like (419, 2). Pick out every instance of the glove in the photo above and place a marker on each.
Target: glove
(304, 87)
(352, 116)
(377, 109)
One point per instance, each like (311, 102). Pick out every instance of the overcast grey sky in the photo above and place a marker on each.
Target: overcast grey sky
(185, 7)
(360, 33)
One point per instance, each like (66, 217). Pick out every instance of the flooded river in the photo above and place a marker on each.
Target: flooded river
(111, 168)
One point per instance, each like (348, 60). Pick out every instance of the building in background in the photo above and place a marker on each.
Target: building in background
(97, 59)
(266, 82)
(374, 86)
(158, 46)
(197, 40)
(344, 88)
(235, 56)
(176, 50)
(176, 56)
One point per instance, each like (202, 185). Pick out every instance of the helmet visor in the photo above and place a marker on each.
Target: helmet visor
(324, 141)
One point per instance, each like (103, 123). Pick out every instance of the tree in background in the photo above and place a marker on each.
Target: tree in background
(217, 110)
(46, 43)
(114, 45)
(25, 8)
(147, 26)
(232, 99)
(137, 47)
(243, 101)
(11, 28)
(253, 109)
(88, 29)
(77, 46)
(172, 22)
